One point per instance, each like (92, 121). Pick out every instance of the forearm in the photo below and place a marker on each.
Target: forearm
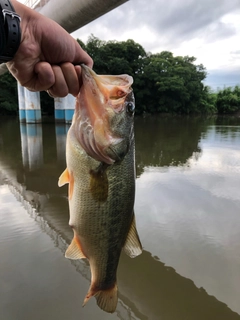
(48, 58)
(27, 14)
(19, 8)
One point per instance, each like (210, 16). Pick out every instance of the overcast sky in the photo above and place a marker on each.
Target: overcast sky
(206, 29)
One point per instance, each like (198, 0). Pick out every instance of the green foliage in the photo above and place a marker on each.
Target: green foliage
(228, 100)
(207, 102)
(162, 82)
(114, 57)
(176, 82)
(8, 94)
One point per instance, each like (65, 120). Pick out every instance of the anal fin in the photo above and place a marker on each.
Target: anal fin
(133, 246)
(74, 251)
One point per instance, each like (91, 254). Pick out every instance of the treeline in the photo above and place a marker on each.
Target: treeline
(162, 83)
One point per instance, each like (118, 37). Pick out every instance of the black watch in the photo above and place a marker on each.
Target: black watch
(10, 21)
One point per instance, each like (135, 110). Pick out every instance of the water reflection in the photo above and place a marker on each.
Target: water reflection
(151, 291)
(148, 289)
(61, 133)
(160, 144)
(32, 146)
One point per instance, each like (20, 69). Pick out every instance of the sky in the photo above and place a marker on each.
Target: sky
(206, 29)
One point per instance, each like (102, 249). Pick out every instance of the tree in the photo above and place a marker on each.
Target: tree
(114, 57)
(228, 100)
(8, 94)
(177, 83)
(162, 82)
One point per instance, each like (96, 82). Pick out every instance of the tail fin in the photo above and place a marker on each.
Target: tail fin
(106, 299)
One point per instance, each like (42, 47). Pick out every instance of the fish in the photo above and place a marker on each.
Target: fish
(100, 173)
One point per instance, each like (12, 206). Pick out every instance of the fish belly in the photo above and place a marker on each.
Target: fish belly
(101, 210)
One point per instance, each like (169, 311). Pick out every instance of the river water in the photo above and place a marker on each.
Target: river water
(188, 217)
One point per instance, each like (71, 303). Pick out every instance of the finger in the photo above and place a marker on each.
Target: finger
(45, 77)
(50, 95)
(71, 77)
(79, 75)
(89, 62)
(59, 88)
(82, 57)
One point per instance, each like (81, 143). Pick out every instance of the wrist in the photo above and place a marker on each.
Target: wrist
(20, 9)
(10, 31)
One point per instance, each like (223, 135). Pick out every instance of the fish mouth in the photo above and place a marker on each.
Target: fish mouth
(101, 98)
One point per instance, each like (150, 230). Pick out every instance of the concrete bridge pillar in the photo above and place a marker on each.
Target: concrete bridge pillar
(32, 106)
(64, 108)
(69, 108)
(59, 109)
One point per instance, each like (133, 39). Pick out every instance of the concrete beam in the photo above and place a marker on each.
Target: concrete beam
(79, 13)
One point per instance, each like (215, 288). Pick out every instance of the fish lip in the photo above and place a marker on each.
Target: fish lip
(94, 83)
(99, 81)
(99, 103)
(87, 71)
(89, 75)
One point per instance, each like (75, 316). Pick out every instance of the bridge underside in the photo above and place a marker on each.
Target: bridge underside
(71, 15)
(74, 14)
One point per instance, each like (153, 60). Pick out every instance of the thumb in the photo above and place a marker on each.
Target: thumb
(81, 56)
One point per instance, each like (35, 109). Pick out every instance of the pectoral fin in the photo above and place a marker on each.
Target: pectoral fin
(67, 177)
(74, 251)
(133, 245)
(64, 178)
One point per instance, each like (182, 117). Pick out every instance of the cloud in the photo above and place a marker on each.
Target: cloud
(222, 78)
(236, 52)
(219, 30)
(173, 21)
(208, 29)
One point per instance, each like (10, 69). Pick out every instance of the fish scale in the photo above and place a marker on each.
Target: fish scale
(101, 194)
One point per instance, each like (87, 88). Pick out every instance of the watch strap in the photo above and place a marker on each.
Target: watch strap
(12, 37)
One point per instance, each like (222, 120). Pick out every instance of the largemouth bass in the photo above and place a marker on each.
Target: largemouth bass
(101, 176)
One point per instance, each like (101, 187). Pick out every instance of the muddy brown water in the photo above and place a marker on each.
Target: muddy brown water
(188, 217)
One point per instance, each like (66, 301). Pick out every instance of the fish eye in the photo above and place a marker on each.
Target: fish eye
(130, 107)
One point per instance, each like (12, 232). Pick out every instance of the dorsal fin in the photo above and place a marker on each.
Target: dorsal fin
(132, 246)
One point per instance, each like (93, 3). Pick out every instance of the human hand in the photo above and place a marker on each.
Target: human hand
(48, 58)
